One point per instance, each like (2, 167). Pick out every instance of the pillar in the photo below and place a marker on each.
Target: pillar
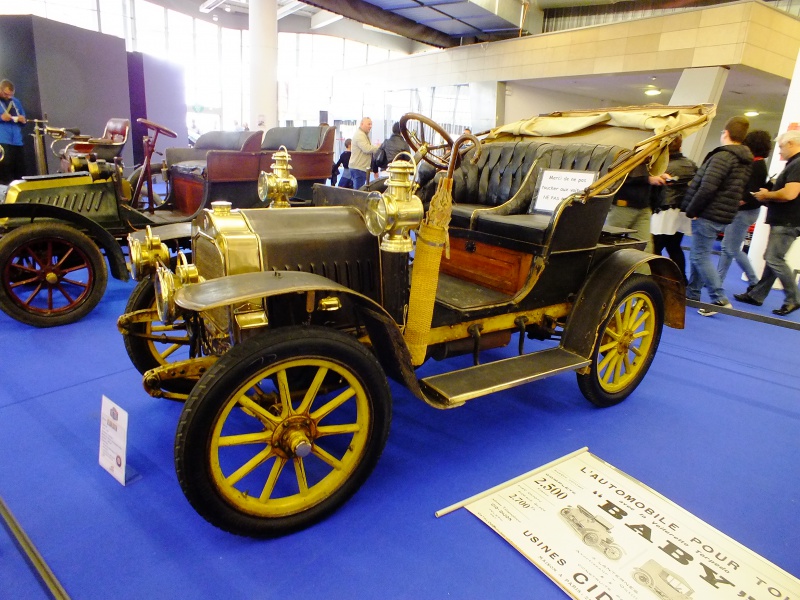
(487, 104)
(698, 86)
(263, 24)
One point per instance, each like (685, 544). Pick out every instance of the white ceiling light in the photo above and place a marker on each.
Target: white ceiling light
(652, 92)
(751, 113)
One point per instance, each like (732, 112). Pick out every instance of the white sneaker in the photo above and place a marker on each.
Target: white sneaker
(704, 312)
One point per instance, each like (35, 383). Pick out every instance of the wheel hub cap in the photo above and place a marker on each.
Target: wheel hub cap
(51, 278)
(625, 342)
(293, 438)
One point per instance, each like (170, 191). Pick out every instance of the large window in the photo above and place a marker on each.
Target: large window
(216, 60)
(151, 28)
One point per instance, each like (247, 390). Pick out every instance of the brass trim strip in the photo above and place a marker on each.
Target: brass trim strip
(459, 331)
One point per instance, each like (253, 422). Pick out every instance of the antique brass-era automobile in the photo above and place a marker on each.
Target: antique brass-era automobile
(593, 530)
(292, 320)
(57, 228)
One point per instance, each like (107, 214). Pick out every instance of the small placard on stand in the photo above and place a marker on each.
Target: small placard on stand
(114, 442)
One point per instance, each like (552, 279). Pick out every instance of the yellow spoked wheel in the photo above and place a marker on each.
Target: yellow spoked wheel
(282, 430)
(626, 343)
(152, 344)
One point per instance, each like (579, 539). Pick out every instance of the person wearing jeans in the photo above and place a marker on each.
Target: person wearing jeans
(712, 200)
(760, 144)
(783, 217)
(702, 272)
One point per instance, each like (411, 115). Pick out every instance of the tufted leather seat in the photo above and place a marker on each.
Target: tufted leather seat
(500, 180)
(531, 224)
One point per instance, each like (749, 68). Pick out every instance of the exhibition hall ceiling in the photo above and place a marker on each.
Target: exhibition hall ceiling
(441, 23)
(446, 23)
(745, 89)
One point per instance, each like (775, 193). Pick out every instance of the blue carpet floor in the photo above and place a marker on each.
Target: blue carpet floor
(715, 427)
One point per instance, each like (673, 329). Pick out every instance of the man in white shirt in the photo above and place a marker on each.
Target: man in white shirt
(362, 151)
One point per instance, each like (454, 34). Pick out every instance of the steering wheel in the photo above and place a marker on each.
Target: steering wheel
(156, 127)
(421, 132)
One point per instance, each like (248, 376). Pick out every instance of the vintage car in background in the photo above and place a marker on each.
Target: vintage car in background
(281, 333)
(662, 582)
(594, 531)
(58, 230)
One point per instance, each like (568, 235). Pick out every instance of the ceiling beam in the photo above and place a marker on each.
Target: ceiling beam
(369, 14)
(324, 18)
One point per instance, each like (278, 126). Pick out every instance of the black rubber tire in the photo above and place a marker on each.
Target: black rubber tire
(219, 400)
(602, 394)
(143, 353)
(60, 292)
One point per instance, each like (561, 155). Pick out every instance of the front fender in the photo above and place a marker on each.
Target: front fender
(384, 332)
(600, 289)
(223, 291)
(106, 241)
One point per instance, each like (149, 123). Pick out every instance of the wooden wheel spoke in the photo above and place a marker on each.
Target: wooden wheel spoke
(626, 319)
(32, 295)
(241, 439)
(24, 282)
(300, 473)
(628, 365)
(25, 268)
(611, 366)
(249, 466)
(81, 284)
(64, 293)
(66, 255)
(606, 347)
(617, 321)
(284, 392)
(81, 267)
(312, 391)
(326, 430)
(640, 319)
(34, 256)
(259, 411)
(335, 403)
(327, 458)
(272, 479)
(618, 368)
(606, 360)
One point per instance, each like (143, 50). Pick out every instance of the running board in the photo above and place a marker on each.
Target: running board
(456, 387)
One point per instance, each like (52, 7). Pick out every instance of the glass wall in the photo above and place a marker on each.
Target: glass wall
(215, 60)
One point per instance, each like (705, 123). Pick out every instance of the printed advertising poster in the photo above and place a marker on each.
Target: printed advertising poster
(602, 535)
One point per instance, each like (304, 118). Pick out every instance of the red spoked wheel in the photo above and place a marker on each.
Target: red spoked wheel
(52, 274)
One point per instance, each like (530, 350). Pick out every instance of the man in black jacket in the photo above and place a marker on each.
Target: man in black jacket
(712, 201)
(783, 217)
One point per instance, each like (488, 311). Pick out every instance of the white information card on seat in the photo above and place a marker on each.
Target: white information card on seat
(113, 439)
(557, 184)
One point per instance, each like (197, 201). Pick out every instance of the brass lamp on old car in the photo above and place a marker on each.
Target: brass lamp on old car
(283, 332)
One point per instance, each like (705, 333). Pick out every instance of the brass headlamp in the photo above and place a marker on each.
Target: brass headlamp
(280, 184)
(398, 210)
(146, 254)
(168, 283)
